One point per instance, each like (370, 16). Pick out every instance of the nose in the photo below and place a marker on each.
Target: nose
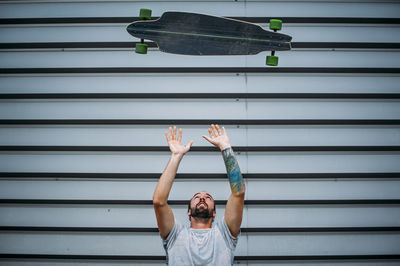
(203, 198)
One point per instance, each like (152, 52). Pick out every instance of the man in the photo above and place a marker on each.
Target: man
(203, 243)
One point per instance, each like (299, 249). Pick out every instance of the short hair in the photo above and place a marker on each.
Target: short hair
(190, 201)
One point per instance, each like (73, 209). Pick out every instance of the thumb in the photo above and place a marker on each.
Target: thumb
(207, 138)
(189, 144)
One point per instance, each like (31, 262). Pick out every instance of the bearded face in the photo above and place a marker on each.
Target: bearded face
(202, 206)
(202, 210)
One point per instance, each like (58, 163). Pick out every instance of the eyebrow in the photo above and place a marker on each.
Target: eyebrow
(199, 193)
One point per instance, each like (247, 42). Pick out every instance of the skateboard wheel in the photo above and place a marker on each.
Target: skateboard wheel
(145, 13)
(272, 60)
(141, 48)
(275, 24)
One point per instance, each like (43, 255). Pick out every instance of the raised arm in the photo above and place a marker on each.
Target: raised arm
(164, 215)
(234, 207)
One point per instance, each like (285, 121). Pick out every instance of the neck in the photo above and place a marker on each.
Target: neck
(200, 223)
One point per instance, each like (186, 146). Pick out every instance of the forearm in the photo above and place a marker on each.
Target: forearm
(166, 180)
(233, 171)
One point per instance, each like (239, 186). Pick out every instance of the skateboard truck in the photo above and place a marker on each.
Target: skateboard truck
(145, 14)
(275, 25)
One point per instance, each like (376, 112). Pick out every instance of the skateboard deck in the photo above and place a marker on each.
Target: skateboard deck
(198, 34)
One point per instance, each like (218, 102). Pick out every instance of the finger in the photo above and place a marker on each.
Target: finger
(223, 130)
(210, 132)
(207, 138)
(187, 147)
(174, 134)
(219, 130)
(189, 144)
(180, 135)
(170, 133)
(214, 130)
(166, 136)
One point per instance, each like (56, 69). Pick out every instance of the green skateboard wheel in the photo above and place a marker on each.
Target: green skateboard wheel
(141, 48)
(275, 24)
(145, 13)
(272, 60)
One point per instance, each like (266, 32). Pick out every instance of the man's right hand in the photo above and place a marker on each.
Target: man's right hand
(174, 143)
(164, 214)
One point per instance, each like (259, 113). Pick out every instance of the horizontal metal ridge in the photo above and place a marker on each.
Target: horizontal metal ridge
(218, 202)
(131, 45)
(198, 176)
(197, 148)
(344, 45)
(153, 230)
(6, 96)
(119, 20)
(199, 121)
(379, 257)
(199, 70)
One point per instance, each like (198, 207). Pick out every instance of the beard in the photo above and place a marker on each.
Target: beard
(201, 212)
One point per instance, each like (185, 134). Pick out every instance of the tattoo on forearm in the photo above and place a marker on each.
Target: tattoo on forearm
(233, 171)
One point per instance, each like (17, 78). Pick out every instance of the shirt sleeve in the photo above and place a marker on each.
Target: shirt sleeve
(170, 240)
(230, 240)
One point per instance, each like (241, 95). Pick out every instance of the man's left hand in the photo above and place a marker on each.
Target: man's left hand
(217, 137)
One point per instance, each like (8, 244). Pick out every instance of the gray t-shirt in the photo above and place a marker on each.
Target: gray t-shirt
(191, 247)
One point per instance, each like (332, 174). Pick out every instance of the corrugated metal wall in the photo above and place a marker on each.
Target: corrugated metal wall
(82, 119)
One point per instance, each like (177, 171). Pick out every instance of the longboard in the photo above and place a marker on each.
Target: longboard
(198, 34)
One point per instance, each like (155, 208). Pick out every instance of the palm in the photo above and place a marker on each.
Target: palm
(217, 137)
(174, 142)
(222, 139)
(177, 147)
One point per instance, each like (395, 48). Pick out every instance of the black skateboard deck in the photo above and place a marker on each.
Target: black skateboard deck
(198, 34)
